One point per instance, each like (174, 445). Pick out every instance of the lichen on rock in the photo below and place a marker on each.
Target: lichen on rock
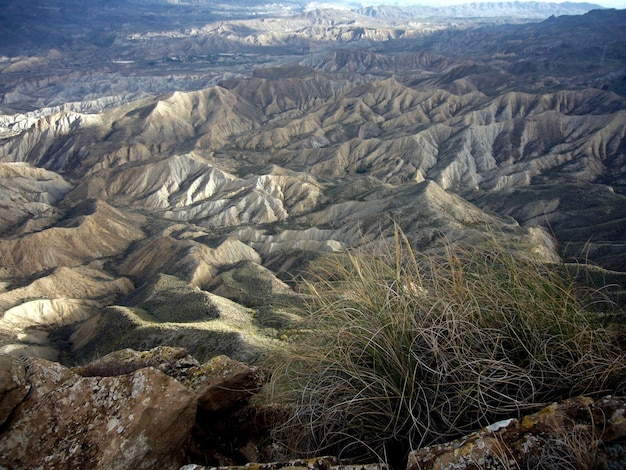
(578, 433)
(137, 420)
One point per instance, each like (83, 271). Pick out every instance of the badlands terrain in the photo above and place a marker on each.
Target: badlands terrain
(167, 169)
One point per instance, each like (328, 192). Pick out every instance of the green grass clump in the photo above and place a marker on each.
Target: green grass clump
(401, 349)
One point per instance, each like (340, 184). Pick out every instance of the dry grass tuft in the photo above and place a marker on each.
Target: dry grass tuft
(401, 349)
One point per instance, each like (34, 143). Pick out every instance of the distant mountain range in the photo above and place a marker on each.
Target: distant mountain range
(396, 9)
(63, 23)
(526, 10)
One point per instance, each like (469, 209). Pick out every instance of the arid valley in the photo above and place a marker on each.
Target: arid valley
(169, 170)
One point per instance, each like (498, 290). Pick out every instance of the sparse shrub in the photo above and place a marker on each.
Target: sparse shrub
(401, 349)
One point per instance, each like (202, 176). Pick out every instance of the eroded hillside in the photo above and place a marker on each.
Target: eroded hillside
(171, 207)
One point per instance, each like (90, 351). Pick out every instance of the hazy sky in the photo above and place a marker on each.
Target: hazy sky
(604, 3)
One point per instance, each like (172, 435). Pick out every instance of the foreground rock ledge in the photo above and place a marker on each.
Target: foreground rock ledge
(127, 410)
(576, 433)
(138, 420)
(319, 463)
(161, 408)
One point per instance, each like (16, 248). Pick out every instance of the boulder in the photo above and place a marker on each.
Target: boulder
(576, 433)
(169, 360)
(219, 384)
(13, 385)
(229, 429)
(137, 420)
(222, 383)
(131, 409)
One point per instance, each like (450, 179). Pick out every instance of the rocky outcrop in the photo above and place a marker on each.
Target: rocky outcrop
(221, 383)
(576, 433)
(172, 361)
(317, 463)
(13, 385)
(128, 409)
(138, 420)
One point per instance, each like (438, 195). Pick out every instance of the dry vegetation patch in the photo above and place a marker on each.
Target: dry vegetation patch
(401, 349)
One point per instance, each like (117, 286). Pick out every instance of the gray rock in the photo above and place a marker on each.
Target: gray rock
(138, 420)
(221, 383)
(576, 433)
(13, 385)
(316, 463)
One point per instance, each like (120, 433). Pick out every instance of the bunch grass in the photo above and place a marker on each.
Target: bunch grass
(400, 349)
